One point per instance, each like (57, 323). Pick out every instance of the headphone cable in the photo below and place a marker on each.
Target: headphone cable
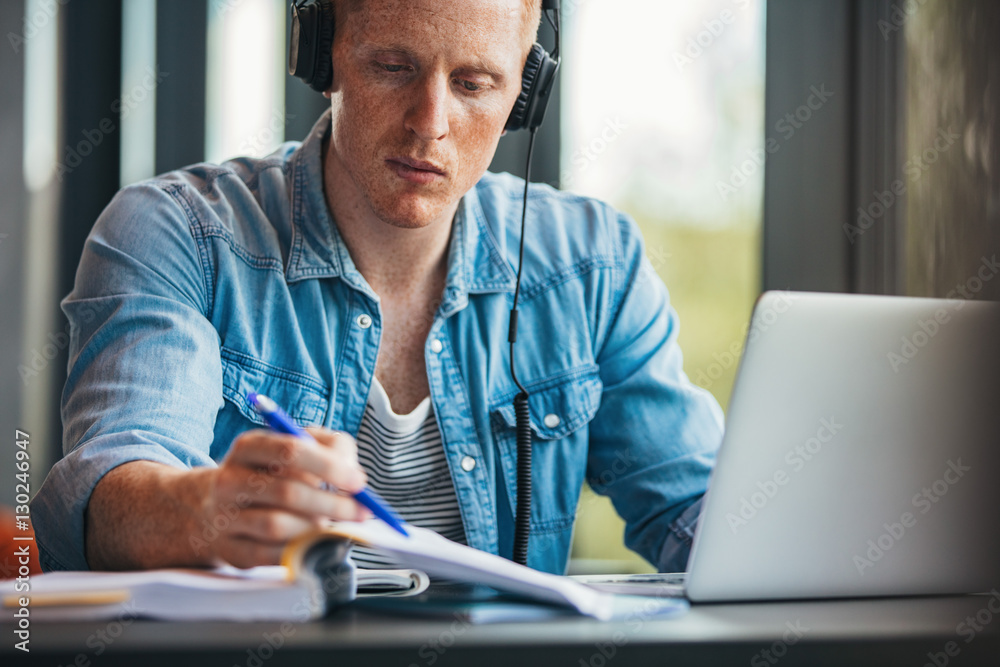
(522, 415)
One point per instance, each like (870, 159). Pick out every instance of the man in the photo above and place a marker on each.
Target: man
(367, 275)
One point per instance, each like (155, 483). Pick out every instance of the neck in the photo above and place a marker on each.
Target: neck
(400, 264)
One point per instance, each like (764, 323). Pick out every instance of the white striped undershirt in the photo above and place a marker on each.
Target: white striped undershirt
(405, 461)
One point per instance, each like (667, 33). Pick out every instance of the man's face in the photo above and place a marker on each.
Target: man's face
(421, 92)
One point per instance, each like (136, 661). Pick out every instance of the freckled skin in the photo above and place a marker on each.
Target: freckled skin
(402, 77)
(424, 111)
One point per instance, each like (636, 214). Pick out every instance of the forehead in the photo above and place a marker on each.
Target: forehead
(494, 26)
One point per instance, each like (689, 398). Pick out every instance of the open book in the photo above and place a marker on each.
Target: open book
(316, 575)
(266, 593)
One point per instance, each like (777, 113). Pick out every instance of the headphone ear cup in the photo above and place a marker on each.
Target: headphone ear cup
(536, 85)
(309, 50)
(323, 78)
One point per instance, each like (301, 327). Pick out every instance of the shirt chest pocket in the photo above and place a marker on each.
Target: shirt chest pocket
(560, 410)
(303, 397)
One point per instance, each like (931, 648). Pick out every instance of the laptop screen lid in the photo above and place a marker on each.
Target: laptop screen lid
(861, 454)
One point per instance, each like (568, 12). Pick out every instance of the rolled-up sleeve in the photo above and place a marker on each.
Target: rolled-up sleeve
(144, 375)
(654, 439)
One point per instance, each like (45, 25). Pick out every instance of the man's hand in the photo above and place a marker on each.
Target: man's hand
(265, 492)
(272, 483)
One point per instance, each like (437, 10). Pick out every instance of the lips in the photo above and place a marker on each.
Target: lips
(418, 164)
(415, 171)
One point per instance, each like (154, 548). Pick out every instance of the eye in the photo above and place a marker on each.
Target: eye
(470, 86)
(392, 68)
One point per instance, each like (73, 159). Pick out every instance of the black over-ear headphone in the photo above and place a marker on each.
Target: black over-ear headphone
(312, 39)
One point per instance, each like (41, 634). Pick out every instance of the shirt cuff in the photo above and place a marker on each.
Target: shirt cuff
(677, 547)
(58, 509)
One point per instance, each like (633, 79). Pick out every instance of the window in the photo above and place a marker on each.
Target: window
(662, 116)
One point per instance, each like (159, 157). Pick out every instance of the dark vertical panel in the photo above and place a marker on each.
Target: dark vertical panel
(808, 181)
(879, 172)
(13, 234)
(90, 94)
(181, 52)
(303, 106)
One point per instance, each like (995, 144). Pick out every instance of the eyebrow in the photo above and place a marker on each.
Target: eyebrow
(477, 66)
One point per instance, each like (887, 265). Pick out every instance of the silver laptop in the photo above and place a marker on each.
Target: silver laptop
(861, 455)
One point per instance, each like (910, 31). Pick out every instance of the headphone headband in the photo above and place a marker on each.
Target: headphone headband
(312, 40)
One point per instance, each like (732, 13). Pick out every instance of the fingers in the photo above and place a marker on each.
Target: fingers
(293, 496)
(269, 526)
(244, 552)
(338, 440)
(268, 488)
(253, 527)
(287, 456)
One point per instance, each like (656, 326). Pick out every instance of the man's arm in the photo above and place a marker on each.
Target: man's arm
(138, 486)
(147, 515)
(665, 429)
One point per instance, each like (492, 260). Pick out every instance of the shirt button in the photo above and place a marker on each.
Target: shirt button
(436, 346)
(364, 321)
(468, 463)
(552, 420)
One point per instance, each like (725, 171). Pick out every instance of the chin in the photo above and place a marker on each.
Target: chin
(410, 211)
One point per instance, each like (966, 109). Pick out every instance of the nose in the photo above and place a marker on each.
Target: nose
(427, 116)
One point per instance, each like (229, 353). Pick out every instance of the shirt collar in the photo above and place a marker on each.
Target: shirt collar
(475, 264)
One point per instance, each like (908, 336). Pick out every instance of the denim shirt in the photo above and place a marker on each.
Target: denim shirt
(206, 283)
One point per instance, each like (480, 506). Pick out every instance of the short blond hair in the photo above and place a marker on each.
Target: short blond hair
(532, 19)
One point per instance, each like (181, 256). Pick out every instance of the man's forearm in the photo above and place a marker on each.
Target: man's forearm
(141, 515)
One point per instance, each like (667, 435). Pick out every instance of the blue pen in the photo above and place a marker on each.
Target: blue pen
(282, 423)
